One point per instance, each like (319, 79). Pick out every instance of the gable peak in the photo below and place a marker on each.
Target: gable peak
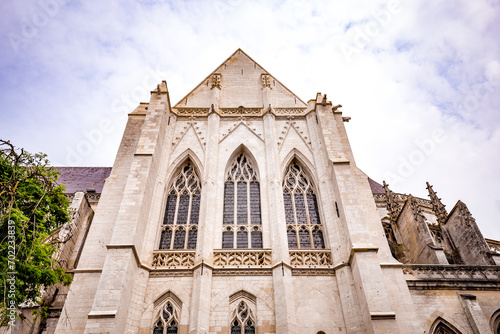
(238, 84)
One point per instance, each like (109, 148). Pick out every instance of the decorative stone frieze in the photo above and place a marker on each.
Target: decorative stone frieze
(216, 81)
(310, 258)
(241, 111)
(224, 258)
(192, 111)
(289, 111)
(173, 259)
(452, 272)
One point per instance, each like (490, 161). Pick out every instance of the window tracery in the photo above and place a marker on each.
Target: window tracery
(167, 320)
(180, 223)
(243, 320)
(304, 229)
(242, 217)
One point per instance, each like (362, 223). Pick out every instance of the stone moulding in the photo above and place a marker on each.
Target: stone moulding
(192, 111)
(242, 258)
(311, 258)
(243, 111)
(426, 277)
(401, 198)
(313, 272)
(173, 259)
(290, 111)
(242, 272)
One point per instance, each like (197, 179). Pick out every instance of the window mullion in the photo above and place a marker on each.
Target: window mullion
(297, 230)
(311, 237)
(235, 212)
(308, 218)
(294, 209)
(249, 217)
(176, 208)
(188, 220)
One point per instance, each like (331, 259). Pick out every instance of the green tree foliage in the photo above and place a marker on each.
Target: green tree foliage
(32, 207)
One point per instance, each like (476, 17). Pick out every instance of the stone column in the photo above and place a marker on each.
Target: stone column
(113, 307)
(284, 303)
(83, 288)
(337, 236)
(362, 245)
(199, 317)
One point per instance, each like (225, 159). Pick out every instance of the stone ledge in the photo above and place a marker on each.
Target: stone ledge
(101, 314)
(86, 271)
(383, 315)
(428, 277)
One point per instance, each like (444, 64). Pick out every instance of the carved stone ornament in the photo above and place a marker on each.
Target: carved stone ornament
(242, 258)
(465, 214)
(393, 207)
(415, 208)
(241, 111)
(173, 259)
(307, 258)
(437, 206)
(216, 81)
(266, 81)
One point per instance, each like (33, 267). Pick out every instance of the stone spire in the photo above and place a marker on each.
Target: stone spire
(393, 207)
(437, 205)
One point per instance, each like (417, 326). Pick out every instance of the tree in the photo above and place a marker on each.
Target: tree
(32, 207)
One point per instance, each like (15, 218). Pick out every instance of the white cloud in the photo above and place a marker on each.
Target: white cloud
(424, 67)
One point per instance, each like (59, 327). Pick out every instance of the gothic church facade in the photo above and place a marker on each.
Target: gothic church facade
(241, 210)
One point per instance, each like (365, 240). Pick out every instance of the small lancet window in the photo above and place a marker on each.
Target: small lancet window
(167, 320)
(443, 329)
(180, 222)
(243, 321)
(241, 217)
(441, 326)
(304, 229)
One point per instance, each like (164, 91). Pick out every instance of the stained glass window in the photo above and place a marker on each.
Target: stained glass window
(242, 206)
(182, 210)
(301, 210)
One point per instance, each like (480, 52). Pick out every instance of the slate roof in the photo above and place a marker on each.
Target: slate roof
(376, 187)
(83, 178)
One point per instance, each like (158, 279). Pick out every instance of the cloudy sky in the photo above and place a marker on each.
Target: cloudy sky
(420, 79)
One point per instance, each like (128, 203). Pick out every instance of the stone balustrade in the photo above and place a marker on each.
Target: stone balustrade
(453, 272)
(429, 276)
(311, 257)
(173, 259)
(243, 258)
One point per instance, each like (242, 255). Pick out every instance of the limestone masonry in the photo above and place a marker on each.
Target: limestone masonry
(241, 210)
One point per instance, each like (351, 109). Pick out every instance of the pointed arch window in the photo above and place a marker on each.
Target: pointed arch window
(180, 223)
(441, 326)
(243, 320)
(304, 229)
(242, 218)
(167, 320)
(443, 329)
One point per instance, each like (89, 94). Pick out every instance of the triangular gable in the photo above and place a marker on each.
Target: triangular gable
(241, 85)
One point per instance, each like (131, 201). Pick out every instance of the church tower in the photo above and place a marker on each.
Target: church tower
(238, 210)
